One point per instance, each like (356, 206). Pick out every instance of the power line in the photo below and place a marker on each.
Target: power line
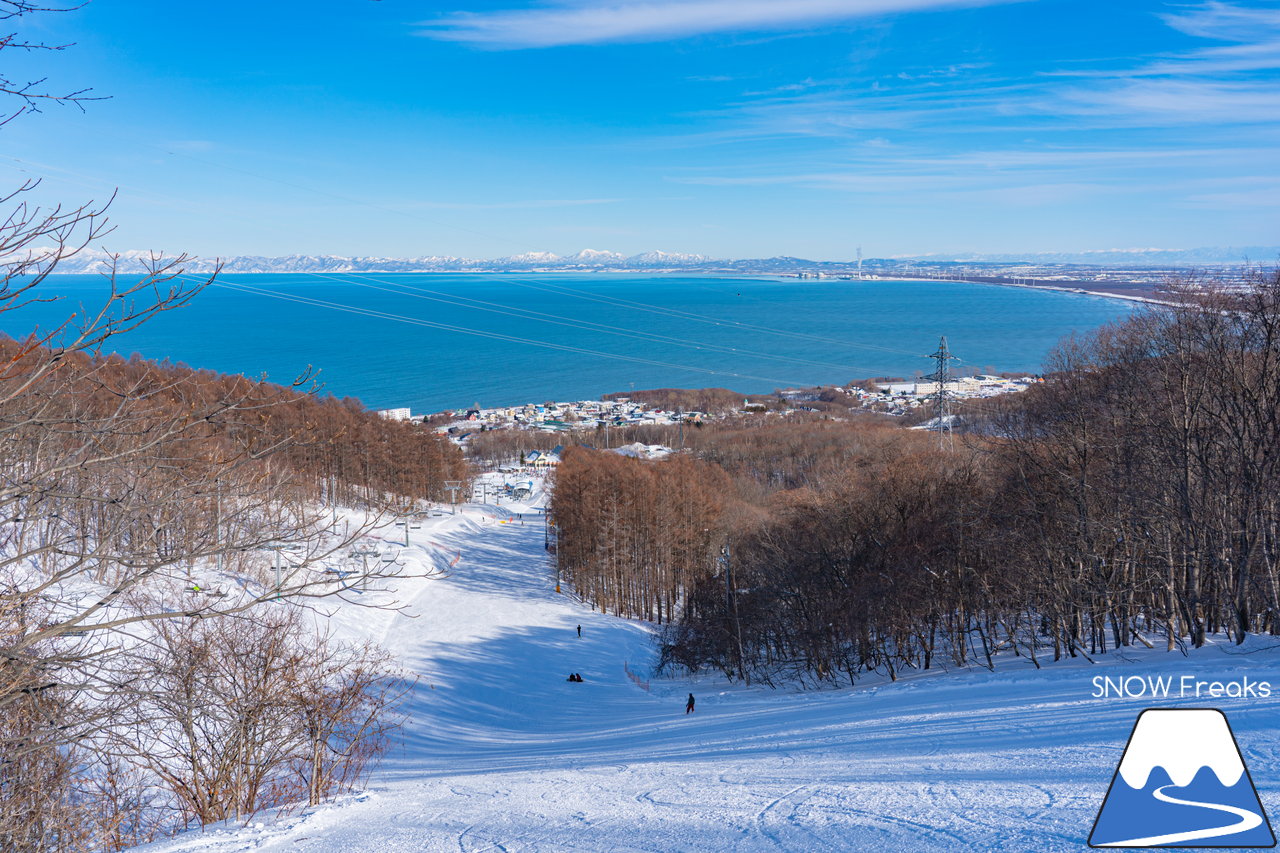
(386, 315)
(564, 290)
(702, 318)
(405, 289)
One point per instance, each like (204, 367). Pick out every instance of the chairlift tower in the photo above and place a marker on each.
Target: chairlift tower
(364, 552)
(453, 487)
(277, 547)
(941, 397)
(407, 519)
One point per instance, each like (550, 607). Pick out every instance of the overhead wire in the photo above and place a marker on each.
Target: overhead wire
(703, 318)
(417, 321)
(544, 285)
(619, 302)
(406, 289)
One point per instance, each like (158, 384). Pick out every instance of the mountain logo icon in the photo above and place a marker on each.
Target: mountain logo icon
(1182, 782)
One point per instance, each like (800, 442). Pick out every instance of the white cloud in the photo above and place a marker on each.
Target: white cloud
(1151, 103)
(1218, 84)
(515, 205)
(961, 185)
(1216, 87)
(1254, 191)
(595, 22)
(1224, 21)
(1252, 39)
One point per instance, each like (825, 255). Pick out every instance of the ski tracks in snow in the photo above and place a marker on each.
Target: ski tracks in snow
(503, 755)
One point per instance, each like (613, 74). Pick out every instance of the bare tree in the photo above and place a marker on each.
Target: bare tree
(132, 496)
(32, 94)
(257, 711)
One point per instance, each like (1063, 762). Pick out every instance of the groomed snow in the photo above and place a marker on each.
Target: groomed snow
(502, 753)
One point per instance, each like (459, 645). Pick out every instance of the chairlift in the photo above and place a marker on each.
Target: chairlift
(342, 575)
(196, 588)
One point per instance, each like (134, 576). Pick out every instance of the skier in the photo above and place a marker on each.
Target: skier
(579, 631)
(688, 708)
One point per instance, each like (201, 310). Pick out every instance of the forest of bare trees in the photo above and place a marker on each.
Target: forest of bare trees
(131, 494)
(632, 534)
(151, 519)
(162, 530)
(1130, 499)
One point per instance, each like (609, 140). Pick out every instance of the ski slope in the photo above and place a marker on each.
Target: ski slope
(502, 753)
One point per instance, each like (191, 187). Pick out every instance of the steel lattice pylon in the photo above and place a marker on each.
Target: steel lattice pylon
(941, 396)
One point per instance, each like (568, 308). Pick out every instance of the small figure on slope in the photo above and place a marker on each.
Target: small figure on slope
(688, 708)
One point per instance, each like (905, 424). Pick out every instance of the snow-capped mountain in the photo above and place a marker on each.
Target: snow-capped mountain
(601, 260)
(595, 256)
(89, 261)
(539, 258)
(1181, 783)
(671, 259)
(1141, 257)
(1181, 741)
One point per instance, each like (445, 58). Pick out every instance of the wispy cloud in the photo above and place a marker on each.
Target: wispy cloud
(1043, 176)
(953, 70)
(532, 204)
(1229, 84)
(1020, 190)
(1224, 83)
(1253, 191)
(190, 145)
(596, 22)
(1226, 21)
(1153, 103)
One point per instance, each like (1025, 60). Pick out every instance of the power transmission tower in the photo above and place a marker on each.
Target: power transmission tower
(941, 396)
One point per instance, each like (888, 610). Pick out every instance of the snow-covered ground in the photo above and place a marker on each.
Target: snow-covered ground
(502, 753)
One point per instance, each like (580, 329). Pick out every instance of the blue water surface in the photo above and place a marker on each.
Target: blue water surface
(751, 335)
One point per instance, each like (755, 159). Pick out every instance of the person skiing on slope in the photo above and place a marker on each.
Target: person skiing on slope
(579, 630)
(688, 708)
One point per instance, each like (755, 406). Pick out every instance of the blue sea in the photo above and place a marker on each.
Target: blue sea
(439, 341)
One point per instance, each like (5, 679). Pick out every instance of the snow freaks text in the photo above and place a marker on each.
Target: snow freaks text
(1177, 687)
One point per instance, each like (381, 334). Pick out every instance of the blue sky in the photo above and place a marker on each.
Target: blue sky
(740, 128)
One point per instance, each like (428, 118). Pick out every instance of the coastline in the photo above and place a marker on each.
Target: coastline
(1142, 293)
(846, 328)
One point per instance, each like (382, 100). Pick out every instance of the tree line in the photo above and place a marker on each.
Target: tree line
(1132, 498)
(152, 519)
(162, 530)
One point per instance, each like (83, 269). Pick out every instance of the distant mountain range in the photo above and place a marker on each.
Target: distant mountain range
(1208, 256)
(593, 260)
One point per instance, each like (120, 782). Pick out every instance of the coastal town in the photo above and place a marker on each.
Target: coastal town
(896, 398)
